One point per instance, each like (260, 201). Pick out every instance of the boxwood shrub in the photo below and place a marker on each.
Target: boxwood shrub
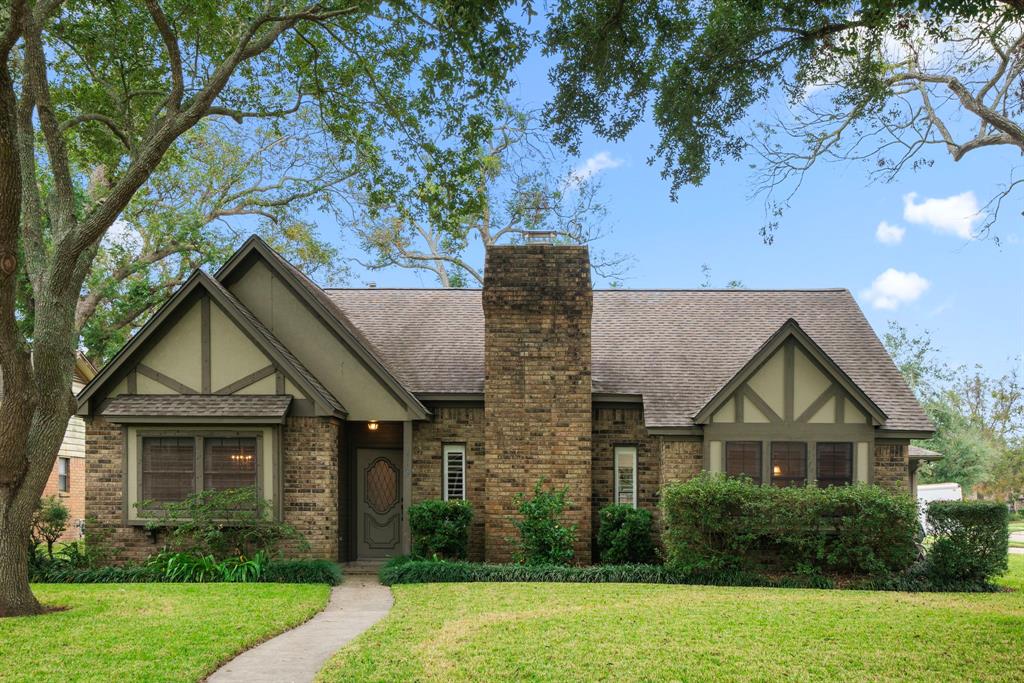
(624, 535)
(440, 528)
(718, 524)
(970, 540)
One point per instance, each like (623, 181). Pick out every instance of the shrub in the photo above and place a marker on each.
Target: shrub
(624, 536)
(721, 524)
(970, 540)
(226, 523)
(188, 568)
(303, 571)
(543, 539)
(63, 572)
(49, 522)
(440, 528)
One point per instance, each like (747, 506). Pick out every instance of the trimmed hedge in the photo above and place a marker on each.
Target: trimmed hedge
(624, 536)
(277, 571)
(303, 571)
(440, 528)
(720, 524)
(970, 540)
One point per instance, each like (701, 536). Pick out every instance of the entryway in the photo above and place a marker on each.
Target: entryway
(378, 503)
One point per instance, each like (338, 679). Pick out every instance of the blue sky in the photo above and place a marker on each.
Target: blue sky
(968, 294)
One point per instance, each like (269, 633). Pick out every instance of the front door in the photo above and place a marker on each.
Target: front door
(379, 502)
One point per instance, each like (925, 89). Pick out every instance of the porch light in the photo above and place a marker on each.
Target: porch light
(373, 425)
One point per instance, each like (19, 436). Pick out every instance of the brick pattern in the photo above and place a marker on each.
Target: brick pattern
(462, 425)
(622, 426)
(311, 482)
(74, 498)
(892, 467)
(538, 305)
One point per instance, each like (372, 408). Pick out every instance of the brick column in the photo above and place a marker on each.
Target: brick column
(537, 390)
(892, 467)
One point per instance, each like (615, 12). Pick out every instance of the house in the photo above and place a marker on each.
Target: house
(345, 406)
(67, 479)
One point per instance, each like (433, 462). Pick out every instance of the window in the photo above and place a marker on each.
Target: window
(789, 463)
(835, 464)
(229, 463)
(743, 458)
(63, 474)
(625, 475)
(168, 468)
(455, 472)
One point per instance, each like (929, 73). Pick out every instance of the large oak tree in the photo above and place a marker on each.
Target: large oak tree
(95, 95)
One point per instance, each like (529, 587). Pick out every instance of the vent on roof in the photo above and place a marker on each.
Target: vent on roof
(371, 285)
(540, 236)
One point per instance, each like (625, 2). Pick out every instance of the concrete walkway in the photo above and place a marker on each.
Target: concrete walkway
(298, 655)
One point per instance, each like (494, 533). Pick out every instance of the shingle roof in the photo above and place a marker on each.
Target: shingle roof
(197, 405)
(918, 453)
(676, 348)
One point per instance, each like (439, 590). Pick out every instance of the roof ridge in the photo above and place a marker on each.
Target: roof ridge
(759, 290)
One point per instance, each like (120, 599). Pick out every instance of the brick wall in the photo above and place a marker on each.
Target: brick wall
(622, 426)
(312, 482)
(74, 498)
(537, 304)
(892, 466)
(680, 460)
(463, 425)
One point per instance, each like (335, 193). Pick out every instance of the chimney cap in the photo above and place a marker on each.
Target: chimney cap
(540, 236)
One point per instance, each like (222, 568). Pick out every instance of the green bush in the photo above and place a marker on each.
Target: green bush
(188, 568)
(624, 536)
(440, 528)
(64, 572)
(543, 539)
(303, 571)
(49, 522)
(722, 524)
(274, 571)
(970, 540)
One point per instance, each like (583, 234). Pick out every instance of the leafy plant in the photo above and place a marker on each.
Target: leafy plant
(50, 522)
(624, 536)
(543, 539)
(303, 571)
(226, 523)
(440, 528)
(970, 540)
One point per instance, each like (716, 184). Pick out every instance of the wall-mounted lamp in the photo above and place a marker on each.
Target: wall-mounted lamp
(373, 425)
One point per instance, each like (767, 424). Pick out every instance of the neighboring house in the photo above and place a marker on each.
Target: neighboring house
(67, 480)
(345, 406)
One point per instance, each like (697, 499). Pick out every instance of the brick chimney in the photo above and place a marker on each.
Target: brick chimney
(537, 302)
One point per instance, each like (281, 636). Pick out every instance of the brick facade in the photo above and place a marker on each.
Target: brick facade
(538, 304)
(892, 466)
(462, 425)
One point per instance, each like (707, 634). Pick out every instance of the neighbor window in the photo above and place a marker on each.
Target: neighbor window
(789, 463)
(63, 474)
(835, 464)
(454, 472)
(625, 475)
(743, 458)
(174, 467)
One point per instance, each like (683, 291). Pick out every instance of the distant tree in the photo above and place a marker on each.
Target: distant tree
(50, 522)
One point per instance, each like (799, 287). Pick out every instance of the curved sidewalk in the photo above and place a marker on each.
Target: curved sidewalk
(298, 655)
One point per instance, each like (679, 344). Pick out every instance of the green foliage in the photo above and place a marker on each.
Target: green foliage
(543, 539)
(723, 524)
(188, 568)
(966, 452)
(970, 540)
(226, 523)
(303, 571)
(184, 568)
(440, 528)
(49, 522)
(59, 572)
(624, 536)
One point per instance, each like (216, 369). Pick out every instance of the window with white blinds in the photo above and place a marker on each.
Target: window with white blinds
(454, 472)
(625, 475)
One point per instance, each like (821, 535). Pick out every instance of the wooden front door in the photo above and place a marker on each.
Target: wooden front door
(379, 502)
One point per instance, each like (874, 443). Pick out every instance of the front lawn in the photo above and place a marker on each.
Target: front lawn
(147, 632)
(658, 632)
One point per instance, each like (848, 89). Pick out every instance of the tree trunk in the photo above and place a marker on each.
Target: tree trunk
(16, 597)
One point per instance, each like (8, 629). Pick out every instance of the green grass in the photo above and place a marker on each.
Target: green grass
(1017, 526)
(655, 632)
(147, 632)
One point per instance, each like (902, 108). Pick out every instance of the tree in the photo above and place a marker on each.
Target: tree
(884, 81)
(94, 97)
(521, 187)
(50, 522)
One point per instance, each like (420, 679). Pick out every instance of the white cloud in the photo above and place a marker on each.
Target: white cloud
(894, 288)
(889, 234)
(956, 214)
(602, 161)
(122, 233)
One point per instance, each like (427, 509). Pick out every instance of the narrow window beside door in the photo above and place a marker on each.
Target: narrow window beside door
(625, 475)
(455, 472)
(63, 474)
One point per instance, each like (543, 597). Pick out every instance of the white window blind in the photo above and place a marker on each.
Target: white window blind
(625, 475)
(454, 472)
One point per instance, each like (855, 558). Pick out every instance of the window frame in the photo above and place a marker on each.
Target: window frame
(447, 450)
(616, 453)
(198, 436)
(759, 479)
(851, 452)
(789, 480)
(64, 478)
